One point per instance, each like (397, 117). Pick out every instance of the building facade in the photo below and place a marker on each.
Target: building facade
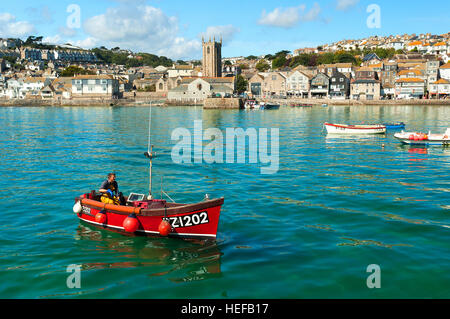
(339, 86)
(320, 85)
(297, 84)
(195, 90)
(95, 86)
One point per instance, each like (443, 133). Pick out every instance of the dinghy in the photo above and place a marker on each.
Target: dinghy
(395, 126)
(354, 129)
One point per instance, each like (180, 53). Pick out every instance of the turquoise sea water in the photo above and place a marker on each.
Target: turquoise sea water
(336, 206)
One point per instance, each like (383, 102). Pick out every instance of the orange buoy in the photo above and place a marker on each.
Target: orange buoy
(131, 223)
(165, 228)
(101, 217)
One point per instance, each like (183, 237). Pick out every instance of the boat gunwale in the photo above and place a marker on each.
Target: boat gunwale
(358, 126)
(156, 212)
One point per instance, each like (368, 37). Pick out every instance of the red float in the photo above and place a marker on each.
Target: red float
(100, 217)
(131, 224)
(165, 228)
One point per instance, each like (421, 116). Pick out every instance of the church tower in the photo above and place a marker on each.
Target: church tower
(212, 58)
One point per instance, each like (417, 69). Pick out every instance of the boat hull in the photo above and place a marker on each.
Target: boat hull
(355, 129)
(395, 126)
(188, 221)
(269, 107)
(430, 140)
(436, 143)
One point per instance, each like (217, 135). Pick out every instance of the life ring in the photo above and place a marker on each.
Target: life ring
(445, 137)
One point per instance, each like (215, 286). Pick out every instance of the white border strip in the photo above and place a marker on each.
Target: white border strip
(148, 231)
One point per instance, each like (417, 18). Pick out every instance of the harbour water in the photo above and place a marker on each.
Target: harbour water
(336, 206)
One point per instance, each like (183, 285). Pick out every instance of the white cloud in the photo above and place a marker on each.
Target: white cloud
(285, 18)
(88, 43)
(289, 17)
(346, 4)
(139, 28)
(312, 14)
(226, 32)
(9, 27)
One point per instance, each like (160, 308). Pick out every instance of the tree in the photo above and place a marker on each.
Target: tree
(227, 63)
(241, 84)
(279, 62)
(75, 70)
(262, 66)
(345, 58)
(251, 57)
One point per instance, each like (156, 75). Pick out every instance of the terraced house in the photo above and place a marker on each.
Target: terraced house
(297, 84)
(408, 87)
(320, 86)
(366, 85)
(339, 86)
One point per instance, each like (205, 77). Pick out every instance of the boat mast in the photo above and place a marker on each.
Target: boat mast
(150, 154)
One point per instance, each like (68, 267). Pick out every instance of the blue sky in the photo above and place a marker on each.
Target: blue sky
(174, 28)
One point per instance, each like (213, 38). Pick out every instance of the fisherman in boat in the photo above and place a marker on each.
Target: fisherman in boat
(110, 191)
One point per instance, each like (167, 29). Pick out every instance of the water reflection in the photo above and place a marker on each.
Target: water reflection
(195, 259)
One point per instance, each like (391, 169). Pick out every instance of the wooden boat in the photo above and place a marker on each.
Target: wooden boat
(395, 126)
(141, 215)
(198, 220)
(415, 138)
(354, 129)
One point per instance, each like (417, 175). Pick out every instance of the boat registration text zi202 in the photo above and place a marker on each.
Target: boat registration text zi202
(189, 220)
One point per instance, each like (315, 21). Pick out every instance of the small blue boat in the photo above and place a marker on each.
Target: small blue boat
(395, 126)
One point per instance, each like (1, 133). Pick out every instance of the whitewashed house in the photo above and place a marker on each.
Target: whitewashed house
(95, 86)
(440, 89)
(444, 71)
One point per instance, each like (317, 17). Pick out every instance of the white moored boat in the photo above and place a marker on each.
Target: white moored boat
(414, 138)
(355, 129)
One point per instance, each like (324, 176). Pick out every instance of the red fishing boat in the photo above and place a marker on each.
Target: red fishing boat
(139, 214)
(151, 217)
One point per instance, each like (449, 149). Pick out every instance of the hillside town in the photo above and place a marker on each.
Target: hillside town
(377, 68)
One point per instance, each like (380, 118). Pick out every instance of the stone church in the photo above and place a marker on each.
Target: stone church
(212, 58)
